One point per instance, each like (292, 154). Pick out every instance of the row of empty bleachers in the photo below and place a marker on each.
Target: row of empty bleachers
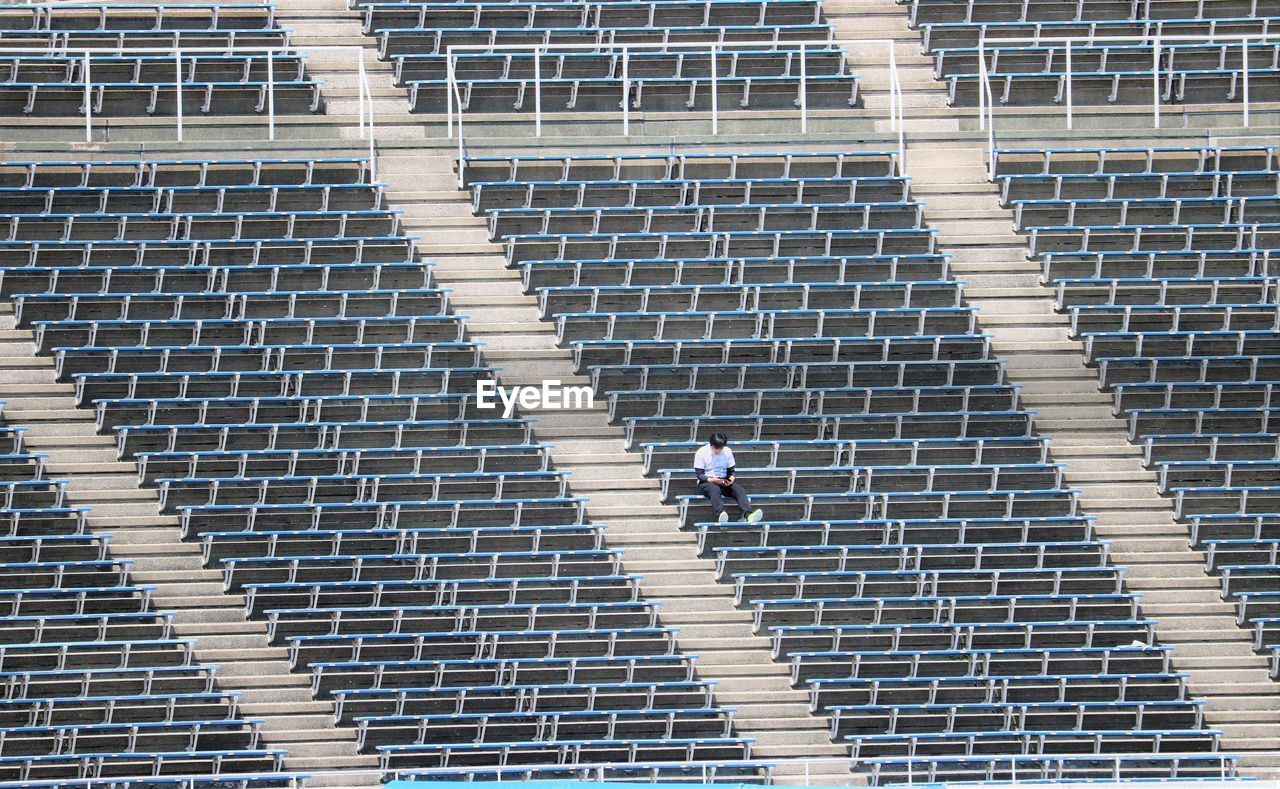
(120, 58)
(1184, 336)
(93, 681)
(1202, 55)
(307, 411)
(762, 50)
(921, 567)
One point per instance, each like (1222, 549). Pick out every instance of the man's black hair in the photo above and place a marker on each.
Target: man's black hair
(718, 440)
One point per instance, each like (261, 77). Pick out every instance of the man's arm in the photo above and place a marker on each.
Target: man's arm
(699, 471)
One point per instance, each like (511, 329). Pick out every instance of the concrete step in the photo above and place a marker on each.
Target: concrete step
(310, 764)
(94, 467)
(190, 619)
(560, 433)
(609, 448)
(255, 687)
(115, 521)
(186, 598)
(113, 485)
(320, 776)
(799, 751)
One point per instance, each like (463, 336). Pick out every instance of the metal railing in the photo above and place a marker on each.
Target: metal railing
(1107, 771)
(183, 55)
(455, 107)
(1158, 43)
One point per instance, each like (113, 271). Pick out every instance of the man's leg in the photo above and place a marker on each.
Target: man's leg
(713, 492)
(739, 495)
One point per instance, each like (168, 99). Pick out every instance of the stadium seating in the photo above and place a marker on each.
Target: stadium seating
(1114, 49)
(1184, 336)
(922, 568)
(46, 68)
(93, 681)
(569, 55)
(291, 380)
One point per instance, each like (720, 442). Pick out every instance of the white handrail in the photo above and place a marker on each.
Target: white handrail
(626, 95)
(1185, 38)
(1070, 103)
(715, 93)
(271, 96)
(365, 99)
(1159, 43)
(804, 93)
(1244, 76)
(88, 100)
(360, 94)
(86, 54)
(983, 124)
(177, 81)
(448, 94)
(462, 181)
(897, 110)
(453, 103)
(537, 92)
(1155, 83)
(894, 93)
(988, 111)
(982, 96)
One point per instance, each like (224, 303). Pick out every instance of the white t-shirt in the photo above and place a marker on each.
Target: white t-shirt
(715, 464)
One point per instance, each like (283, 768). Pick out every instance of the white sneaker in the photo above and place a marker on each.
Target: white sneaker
(755, 516)
(723, 517)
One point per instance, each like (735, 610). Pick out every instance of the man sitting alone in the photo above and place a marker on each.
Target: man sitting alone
(713, 464)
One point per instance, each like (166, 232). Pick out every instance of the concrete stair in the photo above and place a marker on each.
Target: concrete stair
(1240, 697)
(523, 348)
(924, 99)
(423, 184)
(945, 161)
(76, 452)
(1025, 330)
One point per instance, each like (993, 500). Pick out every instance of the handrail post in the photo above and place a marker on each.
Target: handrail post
(1244, 77)
(360, 92)
(896, 108)
(537, 92)
(897, 99)
(1155, 82)
(177, 87)
(715, 93)
(88, 100)
(804, 93)
(461, 162)
(271, 94)
(626, 92)
(1070, 106)
(893, 93)
(368, 96)
(984, 86)
(448, 90)
(982, 91)
(902, 119)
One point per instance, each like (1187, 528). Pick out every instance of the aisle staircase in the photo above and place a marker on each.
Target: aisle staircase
(947, 165)
(1193, 618)
(523, 347)
(141, 534)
